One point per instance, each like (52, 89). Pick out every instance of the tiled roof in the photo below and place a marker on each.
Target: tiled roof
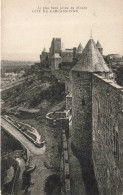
(80, 48)
(98, 45)
(91, 59)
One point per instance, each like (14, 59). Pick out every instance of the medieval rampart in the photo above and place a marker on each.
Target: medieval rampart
(107, 112)
(59, 121)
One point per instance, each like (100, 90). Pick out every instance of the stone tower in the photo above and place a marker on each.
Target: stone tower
(91, 61)
(55, 46)
(43, 57)
(99, 47)
(56, 60)
(80, 48)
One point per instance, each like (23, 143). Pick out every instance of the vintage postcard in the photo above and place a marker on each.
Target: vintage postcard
(61, 97)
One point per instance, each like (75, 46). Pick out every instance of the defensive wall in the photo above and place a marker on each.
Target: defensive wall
(67, 56)
(107, 152)
(97, 121)
(82, 115)
(82, 127)
(59, 119)
(60, 122)
(65, 76)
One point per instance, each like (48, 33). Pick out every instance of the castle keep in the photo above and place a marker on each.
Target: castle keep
(97, 122)
(58, 56)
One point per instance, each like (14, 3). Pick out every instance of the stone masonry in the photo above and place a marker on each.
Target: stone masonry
(107, 135)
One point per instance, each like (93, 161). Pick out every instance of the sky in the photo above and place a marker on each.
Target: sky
(25, 32)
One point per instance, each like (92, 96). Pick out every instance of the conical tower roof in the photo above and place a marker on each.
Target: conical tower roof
(44, 50)
(91, 60)
(80, 48)
(98, 45)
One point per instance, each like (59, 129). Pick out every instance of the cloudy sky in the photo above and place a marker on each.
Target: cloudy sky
(25, 32)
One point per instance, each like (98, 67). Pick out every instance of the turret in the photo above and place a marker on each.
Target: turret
(80, 48)
(55, 46)
(91, 61)
(56, 60)
(44, 58)
(99, 47)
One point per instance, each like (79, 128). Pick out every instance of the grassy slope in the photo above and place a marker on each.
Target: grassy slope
(46, 94)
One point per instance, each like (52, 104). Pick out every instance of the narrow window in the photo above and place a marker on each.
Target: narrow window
(117, 147)
(83, 102)
(116, 144)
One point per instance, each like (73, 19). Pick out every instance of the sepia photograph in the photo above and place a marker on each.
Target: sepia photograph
(61, 97)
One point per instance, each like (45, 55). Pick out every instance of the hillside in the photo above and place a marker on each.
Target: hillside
(46, 94)
(41, 94)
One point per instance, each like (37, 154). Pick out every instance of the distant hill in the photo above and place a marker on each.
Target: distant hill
(15, 66)
(16, 63)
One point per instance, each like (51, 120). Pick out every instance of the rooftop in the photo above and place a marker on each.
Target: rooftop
(91, 60)
(80, 48)
(98, 45)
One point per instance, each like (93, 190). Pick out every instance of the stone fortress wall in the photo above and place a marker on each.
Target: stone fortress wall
(107, 151)
(97, 122)
(59, 122)
(82, 127)
(97, 130)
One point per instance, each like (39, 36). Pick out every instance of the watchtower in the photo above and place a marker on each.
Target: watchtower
(91, 61)
(99, 47)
